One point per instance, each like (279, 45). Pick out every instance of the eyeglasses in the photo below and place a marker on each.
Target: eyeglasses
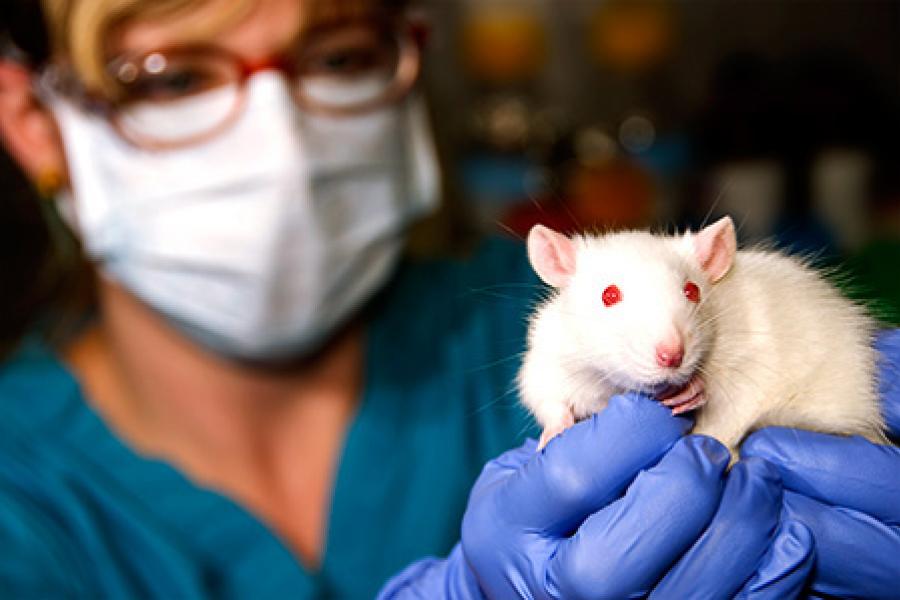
(180, 96)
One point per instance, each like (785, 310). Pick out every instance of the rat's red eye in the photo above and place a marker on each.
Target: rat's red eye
(612, 295)
(691, 291)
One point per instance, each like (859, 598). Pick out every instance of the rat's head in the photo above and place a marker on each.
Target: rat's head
(638, 302)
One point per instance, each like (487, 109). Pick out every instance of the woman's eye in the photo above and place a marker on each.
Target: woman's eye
(347, 62)
(173, 85)
(692, 292)
(612, 295)
(348, 52)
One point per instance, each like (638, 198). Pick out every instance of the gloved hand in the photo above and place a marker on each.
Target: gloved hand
(555, 524)
(847, 492)
(746, 552)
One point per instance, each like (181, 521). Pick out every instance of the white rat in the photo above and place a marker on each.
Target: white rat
(749, 338)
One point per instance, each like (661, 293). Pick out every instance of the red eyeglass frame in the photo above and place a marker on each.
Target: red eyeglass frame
(411, 36)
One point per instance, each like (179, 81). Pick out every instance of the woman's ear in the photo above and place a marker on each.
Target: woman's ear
(26, 127)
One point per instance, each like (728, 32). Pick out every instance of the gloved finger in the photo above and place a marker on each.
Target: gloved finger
(506, 464)
(844, 471)
(786, 566)
(623, 549)
(589, 465)
(856, 555)
(888, 345)
(728, 552)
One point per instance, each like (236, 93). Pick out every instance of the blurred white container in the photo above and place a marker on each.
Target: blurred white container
(752, 192)
(840, 182)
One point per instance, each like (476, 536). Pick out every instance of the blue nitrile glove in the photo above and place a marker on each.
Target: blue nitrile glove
(746, 552)
(847, 492)
(555, 524)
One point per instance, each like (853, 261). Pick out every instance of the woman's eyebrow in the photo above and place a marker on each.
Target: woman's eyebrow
(202, 24)
(225, 28)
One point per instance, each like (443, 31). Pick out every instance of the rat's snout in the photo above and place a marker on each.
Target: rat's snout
(670, 353)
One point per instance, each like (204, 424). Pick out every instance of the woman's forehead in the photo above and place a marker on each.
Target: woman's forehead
(250, 28)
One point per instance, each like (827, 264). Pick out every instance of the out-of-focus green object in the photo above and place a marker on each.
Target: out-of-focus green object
(873, 276)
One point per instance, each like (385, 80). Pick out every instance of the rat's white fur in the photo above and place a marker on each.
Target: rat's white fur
(774, 342)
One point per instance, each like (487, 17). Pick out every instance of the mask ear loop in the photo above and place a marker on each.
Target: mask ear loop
(50, 85)
(66, 273)
(48, 184)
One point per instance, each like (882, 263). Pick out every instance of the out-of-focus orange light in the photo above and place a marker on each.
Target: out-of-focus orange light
(503, 44)
(631, 34)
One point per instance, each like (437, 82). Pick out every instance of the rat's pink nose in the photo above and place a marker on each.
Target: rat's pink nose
(669, 355)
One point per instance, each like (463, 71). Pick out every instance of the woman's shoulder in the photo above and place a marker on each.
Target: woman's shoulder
(40, 558)
(35, 390)
(43, 559)
(38, 418)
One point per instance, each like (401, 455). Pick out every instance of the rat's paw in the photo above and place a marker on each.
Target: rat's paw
(551, 431)
(691, 396)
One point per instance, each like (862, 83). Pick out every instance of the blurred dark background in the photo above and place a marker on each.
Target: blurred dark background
(587, 114)
(584, 114)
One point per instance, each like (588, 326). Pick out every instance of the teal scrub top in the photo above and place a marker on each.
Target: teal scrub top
(83, 515)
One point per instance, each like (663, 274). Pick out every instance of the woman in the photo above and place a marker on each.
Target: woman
(261, 403)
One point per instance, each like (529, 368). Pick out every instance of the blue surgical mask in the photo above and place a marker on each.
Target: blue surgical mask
(259, 243)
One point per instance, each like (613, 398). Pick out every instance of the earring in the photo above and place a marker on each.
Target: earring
(48, 182)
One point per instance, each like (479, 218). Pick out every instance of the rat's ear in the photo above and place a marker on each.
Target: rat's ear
(552, 255)
(714, 247)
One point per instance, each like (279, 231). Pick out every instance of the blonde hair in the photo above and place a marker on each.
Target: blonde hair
(80, 29)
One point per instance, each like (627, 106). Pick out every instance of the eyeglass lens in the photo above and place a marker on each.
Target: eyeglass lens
(173, 97)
